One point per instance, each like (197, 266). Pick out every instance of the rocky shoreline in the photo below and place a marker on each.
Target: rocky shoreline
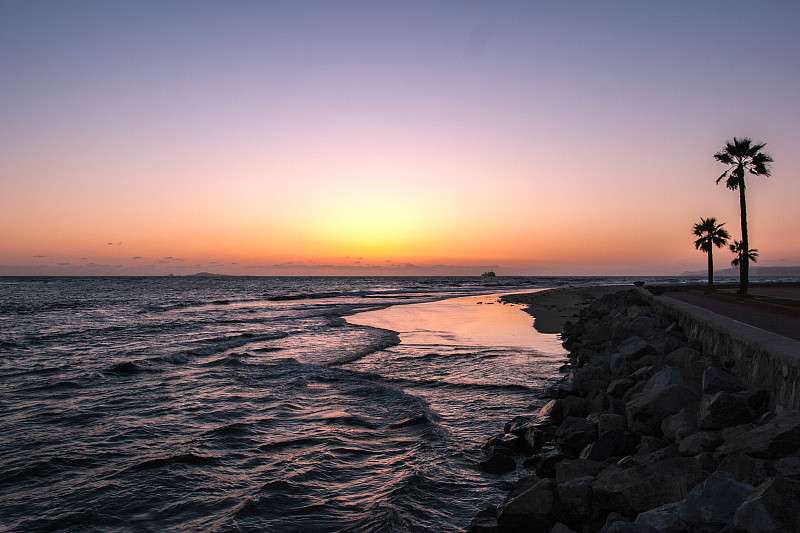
(645, 433)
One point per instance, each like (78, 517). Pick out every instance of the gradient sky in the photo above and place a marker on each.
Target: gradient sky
(413, 137)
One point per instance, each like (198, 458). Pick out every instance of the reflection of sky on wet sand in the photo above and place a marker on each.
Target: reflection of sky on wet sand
(472, 320)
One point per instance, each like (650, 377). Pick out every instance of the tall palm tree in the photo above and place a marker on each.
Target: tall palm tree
(743, 157)
(710, 235)
(738, 249)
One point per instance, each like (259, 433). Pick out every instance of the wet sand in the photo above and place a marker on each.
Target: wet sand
(472, 320)
(551, 308)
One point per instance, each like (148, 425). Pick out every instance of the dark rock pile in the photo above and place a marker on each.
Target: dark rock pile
(646, 434)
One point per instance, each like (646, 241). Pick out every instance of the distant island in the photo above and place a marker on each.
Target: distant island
(787, 271)
(200, 275)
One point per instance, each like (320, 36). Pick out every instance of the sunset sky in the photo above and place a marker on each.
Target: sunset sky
(412, 137)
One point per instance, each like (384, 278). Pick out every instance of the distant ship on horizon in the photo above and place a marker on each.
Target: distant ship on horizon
(488, 274)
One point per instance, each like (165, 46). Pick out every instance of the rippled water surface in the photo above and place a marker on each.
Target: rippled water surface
(252, 404)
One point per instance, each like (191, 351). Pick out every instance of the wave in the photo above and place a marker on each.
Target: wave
(221, 344)
(310, 296)
(188, 458)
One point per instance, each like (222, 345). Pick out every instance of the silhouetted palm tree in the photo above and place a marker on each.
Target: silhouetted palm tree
(743, 157)
(710, 235)
(738, 249)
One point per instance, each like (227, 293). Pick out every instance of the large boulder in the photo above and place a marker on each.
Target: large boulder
(668, 376)
(680, 425)
(746, 469)
(574, 434)
(717, 380)
(532, 511)
(705, 441)
(573, 468)
(484, 522)
(774, 440)
(498, 463)
(575, 495)
(589, 378)
(555, 411)
(627, 352)
(723, 409)
(611, 444)
(682, 356)
(643, 487)
(609, 422)
(710, 506)
(647, 410)
(771, 508)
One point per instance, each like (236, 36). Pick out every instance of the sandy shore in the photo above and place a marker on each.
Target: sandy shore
(551, 308)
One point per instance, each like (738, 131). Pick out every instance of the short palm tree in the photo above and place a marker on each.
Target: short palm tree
(738, 249)
(743, 157)
(710, 234)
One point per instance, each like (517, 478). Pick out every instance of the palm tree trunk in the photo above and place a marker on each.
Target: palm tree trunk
(710, 268)
(744, 263)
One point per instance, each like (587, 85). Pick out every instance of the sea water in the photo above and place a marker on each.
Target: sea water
(260, 404)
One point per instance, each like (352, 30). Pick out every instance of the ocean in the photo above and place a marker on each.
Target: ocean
(260, 403)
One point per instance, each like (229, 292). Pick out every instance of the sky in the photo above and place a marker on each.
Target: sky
(381, 138)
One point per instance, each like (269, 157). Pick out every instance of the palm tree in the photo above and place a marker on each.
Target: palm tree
(738, 249)
(710, 235)
(743, 157)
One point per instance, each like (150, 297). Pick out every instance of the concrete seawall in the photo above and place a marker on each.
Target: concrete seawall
(761, 359)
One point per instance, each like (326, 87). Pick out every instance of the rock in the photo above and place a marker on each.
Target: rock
(723, 409)
(745, 468)
(788, 467)
(534, 439)
(716, 380)
(669, 376)
(643, 487)
(619, 387)
(569, 469)
(772, 507)
(609, 422)
(648, 445)
(498, 464)
(774, 440)
(575, 495)
(644, 373)
(533, 510)
(711, 505)
(611, 519)
(647, 410)
(611, 444)
(628, 351)
(589, 378)
(574, 434)
(518, 425)
(705, 441)
(561, 528)
(555, 411)
(521, 485)
(680, 425)
(546, 463)
(643, 326)
(662, 519)
(506, 440)
(672, 344)
(484, 522)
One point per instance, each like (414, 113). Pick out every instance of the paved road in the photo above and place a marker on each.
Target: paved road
(786, 325)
